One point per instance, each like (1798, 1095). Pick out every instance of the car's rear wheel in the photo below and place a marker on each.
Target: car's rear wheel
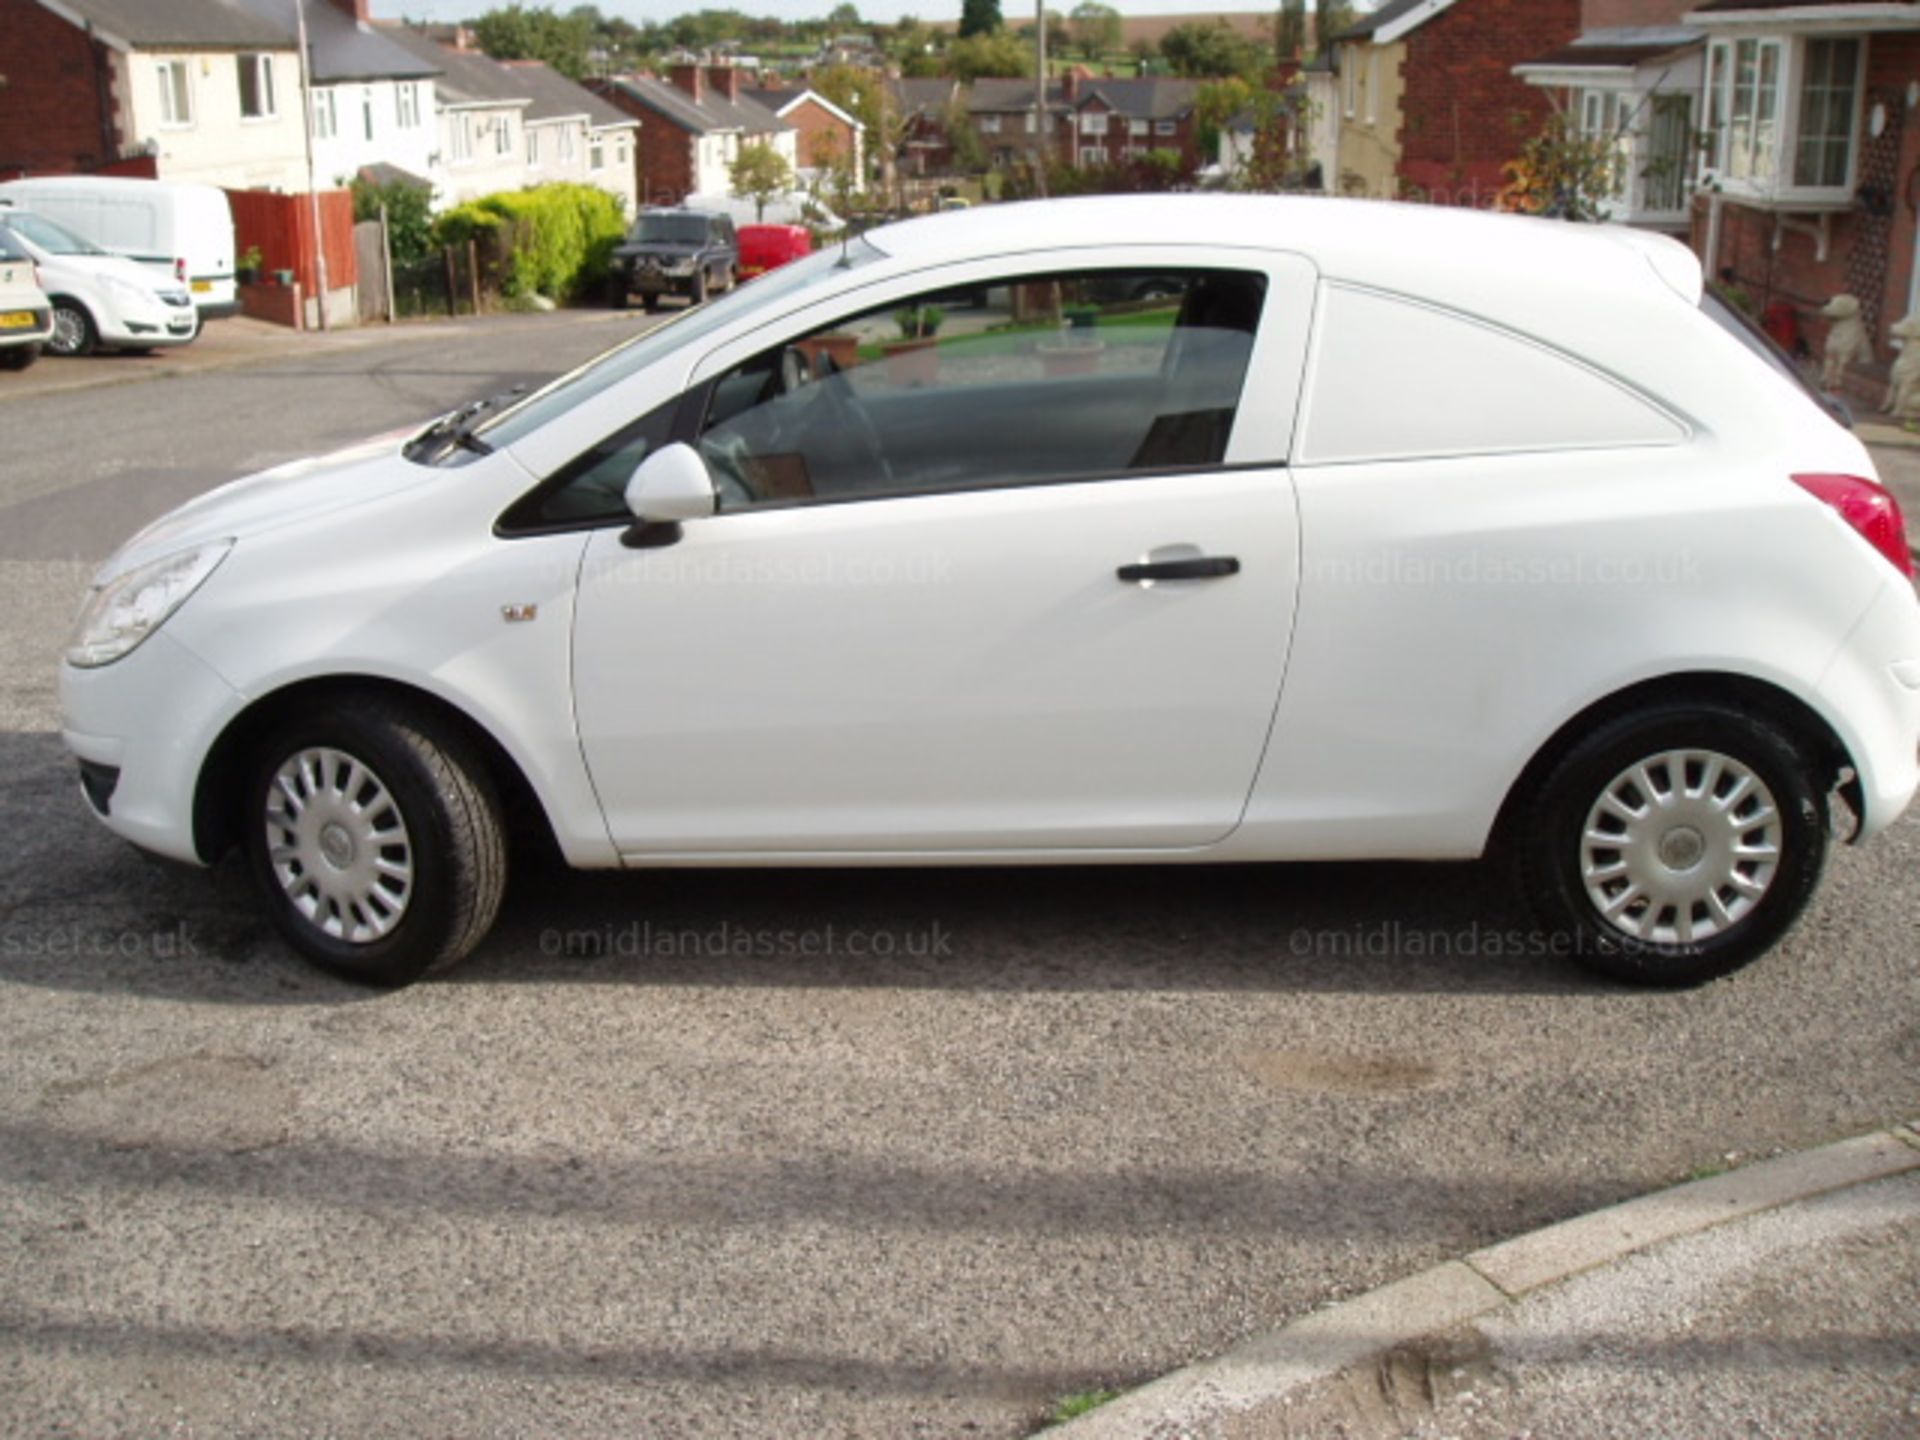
(1675, 844)
(376, 839)
(74, 332)
(698, 293)
(18, 357)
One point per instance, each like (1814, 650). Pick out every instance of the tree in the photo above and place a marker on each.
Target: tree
(760, 173)
(844, 16)
(1330, 17)
(1000, 54)
(1209, 47)
(517, 33)
(1096, 28)
(1214, 105)
(1290, 30)
(979, 17)
(1564, 174)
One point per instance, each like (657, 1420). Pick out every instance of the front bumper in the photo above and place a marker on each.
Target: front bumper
(150, 717)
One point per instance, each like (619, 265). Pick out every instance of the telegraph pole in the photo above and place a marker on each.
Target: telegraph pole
(313, 193)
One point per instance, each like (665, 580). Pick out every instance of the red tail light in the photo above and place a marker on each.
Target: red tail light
(180, 269)
(1868, 508)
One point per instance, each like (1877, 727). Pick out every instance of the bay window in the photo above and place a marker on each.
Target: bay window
(1782, 115)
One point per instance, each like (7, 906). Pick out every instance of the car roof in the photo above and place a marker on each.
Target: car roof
(1478, 261)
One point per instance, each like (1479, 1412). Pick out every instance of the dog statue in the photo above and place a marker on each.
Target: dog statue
(1903, 386)
(1847, 342)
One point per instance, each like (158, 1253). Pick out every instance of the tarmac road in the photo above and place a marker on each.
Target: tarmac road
(1002, 1135)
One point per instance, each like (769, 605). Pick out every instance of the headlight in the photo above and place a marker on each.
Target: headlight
(118, 615)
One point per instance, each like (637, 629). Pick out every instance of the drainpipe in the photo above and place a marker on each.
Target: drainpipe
(313, 195)
(1714, 205)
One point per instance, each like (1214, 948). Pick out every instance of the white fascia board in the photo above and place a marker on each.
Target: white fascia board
(1577, 77)
(825, 104)
(1406, 24)
(1825, 19)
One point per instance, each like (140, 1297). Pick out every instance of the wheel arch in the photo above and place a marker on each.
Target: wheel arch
(1808, 728)
(223, 773)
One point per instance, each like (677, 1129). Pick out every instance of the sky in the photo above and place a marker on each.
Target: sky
(884, 10)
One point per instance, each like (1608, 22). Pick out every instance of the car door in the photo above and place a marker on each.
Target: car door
(1035, 600)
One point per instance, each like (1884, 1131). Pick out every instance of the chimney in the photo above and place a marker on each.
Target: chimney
(360, 10)
(725, 79)
(691, 79)
(1073, 85)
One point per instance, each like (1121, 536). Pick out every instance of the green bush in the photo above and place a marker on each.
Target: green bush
(553, 240)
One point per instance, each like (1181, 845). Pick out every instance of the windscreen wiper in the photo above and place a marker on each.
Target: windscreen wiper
(455, 430)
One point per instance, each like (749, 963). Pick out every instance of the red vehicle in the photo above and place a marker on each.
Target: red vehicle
(768, 247)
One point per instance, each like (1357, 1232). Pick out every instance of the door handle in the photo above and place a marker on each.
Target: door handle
(1204, 567)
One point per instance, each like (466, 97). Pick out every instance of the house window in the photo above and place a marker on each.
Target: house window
(1166, 127)
(366, 110)
(406, 106)
(596, 153)
(1606, 115)
(1138, 127)
(1350, 83)
(1669, 147)
(256, 86)
(1782, 112)
(989, 124)
(1092, 155)
(1093, 122)
(1828, 83)
(566, 145)
(533, 146)
(503, 136)
(176, 101)
(326, 119)
(1373, 81)
(460, 138)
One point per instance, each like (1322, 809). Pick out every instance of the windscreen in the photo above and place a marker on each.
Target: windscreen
(670, 230)
(54, 239)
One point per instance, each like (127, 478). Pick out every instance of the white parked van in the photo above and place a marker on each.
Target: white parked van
(183, 232)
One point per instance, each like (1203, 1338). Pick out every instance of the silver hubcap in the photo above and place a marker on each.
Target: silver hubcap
(338, 845)
(1680, 847)
(68, 331)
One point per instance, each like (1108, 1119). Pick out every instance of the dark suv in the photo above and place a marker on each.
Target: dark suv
(674, 252)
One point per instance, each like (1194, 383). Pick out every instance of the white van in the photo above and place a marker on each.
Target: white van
(183, 232)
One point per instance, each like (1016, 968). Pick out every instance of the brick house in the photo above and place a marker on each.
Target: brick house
(1002, 112)
(925, 105)
(822, 130)
(1116, 120)
(174, 89)
(1426, 103)
(692, 127)
(1633, 75)
(1807, 185)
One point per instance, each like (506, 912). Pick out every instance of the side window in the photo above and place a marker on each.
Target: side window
(593, 488)
(1040, 378)
(1396, 380)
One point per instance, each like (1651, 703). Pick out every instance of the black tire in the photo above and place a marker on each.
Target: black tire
(617, 294)
(451, 837)
(650, 301)
(18, 357)
(74, 332)
(1699, 810)
(697, 295)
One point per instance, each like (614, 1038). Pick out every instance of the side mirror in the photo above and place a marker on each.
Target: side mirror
(670, 485)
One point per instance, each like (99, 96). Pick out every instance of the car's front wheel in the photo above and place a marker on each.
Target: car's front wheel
(376, 839)
(18, 357)
(1673, 845)
(74, 332)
